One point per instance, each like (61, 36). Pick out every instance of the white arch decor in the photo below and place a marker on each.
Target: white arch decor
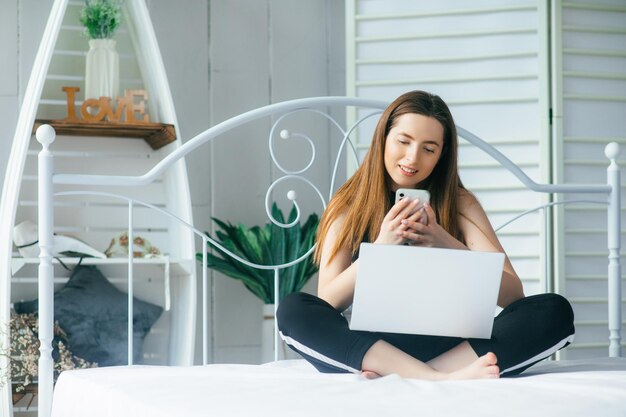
(153, 76)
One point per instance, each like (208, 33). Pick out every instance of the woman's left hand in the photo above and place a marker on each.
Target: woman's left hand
(429, 233)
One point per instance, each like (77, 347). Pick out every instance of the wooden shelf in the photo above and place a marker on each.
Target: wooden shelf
(156, 134)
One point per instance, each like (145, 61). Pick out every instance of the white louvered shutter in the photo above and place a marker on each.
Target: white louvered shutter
(545, 82)
(487, 60)
(589, 108)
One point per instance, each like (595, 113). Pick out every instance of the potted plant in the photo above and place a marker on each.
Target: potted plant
(101, 18)
(270, 245)
(267, 245)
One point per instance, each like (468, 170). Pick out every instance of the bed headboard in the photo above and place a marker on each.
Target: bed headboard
(359, 112)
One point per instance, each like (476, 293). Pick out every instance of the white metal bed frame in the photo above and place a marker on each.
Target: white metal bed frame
(47, 178)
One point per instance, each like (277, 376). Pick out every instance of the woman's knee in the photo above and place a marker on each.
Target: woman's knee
(560, 307)
(557, 311)
(545, 315)
(292, 309)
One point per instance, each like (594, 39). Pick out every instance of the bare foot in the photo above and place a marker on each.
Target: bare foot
(370, 374)
(483, 367)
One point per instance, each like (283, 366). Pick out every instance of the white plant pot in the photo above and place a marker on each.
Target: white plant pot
(267, 336)
(102, 69)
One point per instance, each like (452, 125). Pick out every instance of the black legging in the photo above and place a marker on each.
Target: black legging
(525, 332)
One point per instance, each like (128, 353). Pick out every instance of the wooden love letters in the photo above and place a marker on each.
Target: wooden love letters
(102, 117)
(100, 110)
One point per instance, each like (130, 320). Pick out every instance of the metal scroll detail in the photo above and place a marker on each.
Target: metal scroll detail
(296, 175)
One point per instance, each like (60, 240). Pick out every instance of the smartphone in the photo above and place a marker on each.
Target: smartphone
(422, 195)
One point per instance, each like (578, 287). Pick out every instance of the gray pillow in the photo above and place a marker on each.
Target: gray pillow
(94, 315)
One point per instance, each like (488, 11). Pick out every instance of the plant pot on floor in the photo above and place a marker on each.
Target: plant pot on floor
(267, 336)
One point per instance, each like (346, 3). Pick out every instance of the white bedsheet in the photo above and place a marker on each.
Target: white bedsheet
(294, 388)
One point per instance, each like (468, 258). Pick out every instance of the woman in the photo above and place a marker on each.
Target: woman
(414, 146)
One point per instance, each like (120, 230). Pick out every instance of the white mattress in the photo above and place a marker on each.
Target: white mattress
(294, 388)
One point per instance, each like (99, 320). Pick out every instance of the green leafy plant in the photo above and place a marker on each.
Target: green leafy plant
(101, 18)
(270, 245)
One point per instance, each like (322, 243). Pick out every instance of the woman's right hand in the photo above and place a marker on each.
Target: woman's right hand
(391, 229)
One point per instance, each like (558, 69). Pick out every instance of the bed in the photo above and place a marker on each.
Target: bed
(295, 388)
(292, 387)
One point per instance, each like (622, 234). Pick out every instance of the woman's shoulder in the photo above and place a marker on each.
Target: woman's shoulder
(471, 212)
(467, 201)
(336, 223)
(470, 209)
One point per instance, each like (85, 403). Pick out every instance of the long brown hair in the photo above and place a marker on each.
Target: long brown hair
(364, 198)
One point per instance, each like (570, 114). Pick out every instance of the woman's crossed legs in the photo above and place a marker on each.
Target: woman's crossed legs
(525, 332)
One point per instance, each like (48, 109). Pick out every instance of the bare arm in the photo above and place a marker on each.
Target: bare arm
(337, 277)
(479, 235)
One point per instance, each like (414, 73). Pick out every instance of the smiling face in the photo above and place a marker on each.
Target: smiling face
(412, 149)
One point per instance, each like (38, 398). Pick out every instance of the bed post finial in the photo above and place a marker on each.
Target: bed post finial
(45, 135)
(611, 151)
(614, 235)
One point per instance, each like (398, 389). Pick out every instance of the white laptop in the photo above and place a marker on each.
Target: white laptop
(429, 291)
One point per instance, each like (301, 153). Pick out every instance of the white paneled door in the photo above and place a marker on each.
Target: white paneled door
(589, 104)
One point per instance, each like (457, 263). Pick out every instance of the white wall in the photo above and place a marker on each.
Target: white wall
(8, 78)
(261, 52)
(183, 36)
(222, 58)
